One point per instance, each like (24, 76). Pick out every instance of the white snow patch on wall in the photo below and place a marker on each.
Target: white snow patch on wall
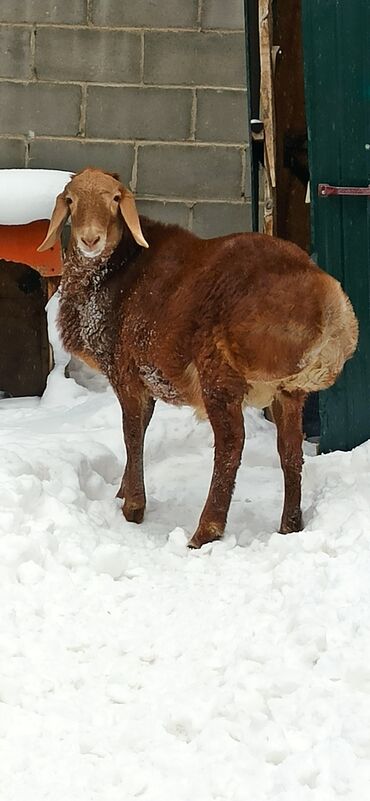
(28, 195)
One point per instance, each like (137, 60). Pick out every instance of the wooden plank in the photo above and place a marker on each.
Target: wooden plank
(253, 100)
(292, 211)
(267, 113)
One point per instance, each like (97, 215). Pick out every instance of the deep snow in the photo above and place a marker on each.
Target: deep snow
(132, 668)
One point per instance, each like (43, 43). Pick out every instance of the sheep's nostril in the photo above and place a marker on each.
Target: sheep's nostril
(90, 243)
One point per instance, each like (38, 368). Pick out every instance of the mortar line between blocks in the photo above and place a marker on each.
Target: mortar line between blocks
(89, 13)
(33, 53)
(191, 217)
(83, 26)
(244, 172)
(83, 111)
(142, 58)
(133, 180)
(26, 153)
(134, 85)
(140, 142)
(193, 115)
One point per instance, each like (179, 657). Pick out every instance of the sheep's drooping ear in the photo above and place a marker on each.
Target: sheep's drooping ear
(131, 217)
(58, 218)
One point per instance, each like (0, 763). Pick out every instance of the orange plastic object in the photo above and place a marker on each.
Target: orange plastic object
(19, 243)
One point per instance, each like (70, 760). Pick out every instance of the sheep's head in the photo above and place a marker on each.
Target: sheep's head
(98, 204)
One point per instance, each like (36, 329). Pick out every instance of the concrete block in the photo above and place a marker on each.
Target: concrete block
(219, 219)
(88, 55)
(74, 155)
(223, 14)
(209, 59)
(138, 113)
(188, 171)
(221, 116)
(141, 13)
(40, 108)
(15, 52)
(12, 153)
(167, 212)
(70, 12)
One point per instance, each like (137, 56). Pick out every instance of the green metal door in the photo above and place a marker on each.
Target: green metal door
(336, 35)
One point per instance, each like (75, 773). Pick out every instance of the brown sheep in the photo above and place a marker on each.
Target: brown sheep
(214, 324)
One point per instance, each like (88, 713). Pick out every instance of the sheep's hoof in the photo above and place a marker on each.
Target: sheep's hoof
(133, 514)
(209, 533)
(292, 524)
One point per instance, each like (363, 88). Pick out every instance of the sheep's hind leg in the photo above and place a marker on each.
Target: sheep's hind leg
(287, 411)
(226, 418)
(137, 411)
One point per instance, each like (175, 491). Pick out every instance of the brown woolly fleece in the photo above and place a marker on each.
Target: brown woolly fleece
(214, 324)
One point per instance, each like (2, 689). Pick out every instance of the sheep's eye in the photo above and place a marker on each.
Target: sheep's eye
(117, 198)
(68, 200)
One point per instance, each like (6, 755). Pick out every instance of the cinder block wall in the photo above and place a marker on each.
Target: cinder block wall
(153, 89)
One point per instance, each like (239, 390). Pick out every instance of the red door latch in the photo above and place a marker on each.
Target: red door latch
(325, 190)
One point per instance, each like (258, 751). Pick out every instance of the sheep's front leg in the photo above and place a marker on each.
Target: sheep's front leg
(287, 410)
(226, 418)
(137, 411)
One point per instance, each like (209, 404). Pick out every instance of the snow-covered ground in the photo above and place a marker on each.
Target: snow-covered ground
(132, 668)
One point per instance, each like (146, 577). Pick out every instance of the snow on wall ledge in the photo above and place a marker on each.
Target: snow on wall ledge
(28, 195)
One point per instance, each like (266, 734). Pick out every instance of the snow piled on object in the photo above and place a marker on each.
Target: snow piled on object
(28, 195)
(133, 668)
